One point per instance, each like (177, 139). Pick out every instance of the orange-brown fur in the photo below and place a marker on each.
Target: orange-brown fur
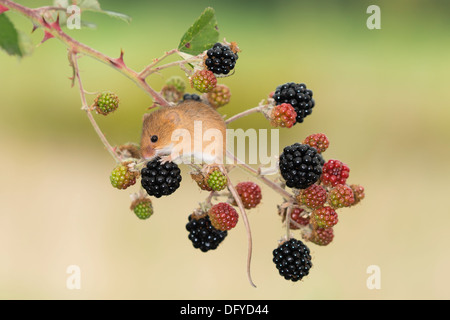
(164, 121)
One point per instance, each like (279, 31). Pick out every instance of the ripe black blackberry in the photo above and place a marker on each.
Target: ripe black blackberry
(300, 165)
(292, 260)
(160, 179)
(203, 235)
(298, 96)
(220, 59)
(193, 96)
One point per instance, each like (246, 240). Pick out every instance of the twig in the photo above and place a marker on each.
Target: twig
(245, 113)
(288, 222)
(35, 15)
(147, 70)
(268, 182)
(85, 107)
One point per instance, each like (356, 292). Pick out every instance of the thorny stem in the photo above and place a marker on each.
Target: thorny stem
(35, 15)
(74, 61)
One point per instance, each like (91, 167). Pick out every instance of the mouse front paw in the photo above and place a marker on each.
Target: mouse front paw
(165, 159)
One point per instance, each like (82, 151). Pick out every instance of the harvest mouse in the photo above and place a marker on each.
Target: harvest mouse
(189, 129)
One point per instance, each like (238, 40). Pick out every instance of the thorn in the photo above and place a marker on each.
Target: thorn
(3, 9)
(47, 35)
(55, 25)
(45, 23)
(34, 28)
(119, 61)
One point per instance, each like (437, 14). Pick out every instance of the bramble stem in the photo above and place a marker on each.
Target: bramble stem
(245, 113)
(35, 15)
(288, 222)
(147, 70)
(74, 61)
(268, 182)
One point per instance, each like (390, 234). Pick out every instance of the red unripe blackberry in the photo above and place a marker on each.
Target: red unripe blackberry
(334, 172)
(318, 141)
(292, 259)
(203, 235)
(300, 165)
(223, 216)
(298, 96)
(220, 59)
(322, 236)
(250, 194)
(358, 192)
(160, 179)
(313, 197)
(324, 217)
(341, 196)
(283, 115)
(203, 81)
(296, 216)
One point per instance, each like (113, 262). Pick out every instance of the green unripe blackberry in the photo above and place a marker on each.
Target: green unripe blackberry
(106, 102)
(174, 89)
(217, 181)
(122, 177)
(177, 82)
(143, 208)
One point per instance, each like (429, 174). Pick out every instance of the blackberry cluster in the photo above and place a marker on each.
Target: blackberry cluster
(193, 96)
(300, 165)
(160, 179)
(292, 260)
(298, 96)
(220, 60)
(203, 235)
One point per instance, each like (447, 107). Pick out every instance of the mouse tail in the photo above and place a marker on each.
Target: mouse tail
(238, 200)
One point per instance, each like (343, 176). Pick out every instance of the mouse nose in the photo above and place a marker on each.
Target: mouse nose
(147, 152)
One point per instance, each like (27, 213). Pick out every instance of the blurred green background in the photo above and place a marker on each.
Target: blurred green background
(381, 98)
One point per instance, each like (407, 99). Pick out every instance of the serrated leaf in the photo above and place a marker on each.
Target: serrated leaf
(201, 35)
(9, 37)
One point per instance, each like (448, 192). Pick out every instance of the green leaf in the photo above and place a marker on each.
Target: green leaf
(117, 15)
(201, 35)
(9, 37)
(94, 5)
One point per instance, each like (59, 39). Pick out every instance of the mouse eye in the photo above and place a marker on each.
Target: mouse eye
(154, 138)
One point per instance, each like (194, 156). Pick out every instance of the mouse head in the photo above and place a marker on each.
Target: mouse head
(157, 131)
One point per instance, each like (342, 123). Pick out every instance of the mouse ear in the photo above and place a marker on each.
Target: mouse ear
(145, 116)
(173, 117)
